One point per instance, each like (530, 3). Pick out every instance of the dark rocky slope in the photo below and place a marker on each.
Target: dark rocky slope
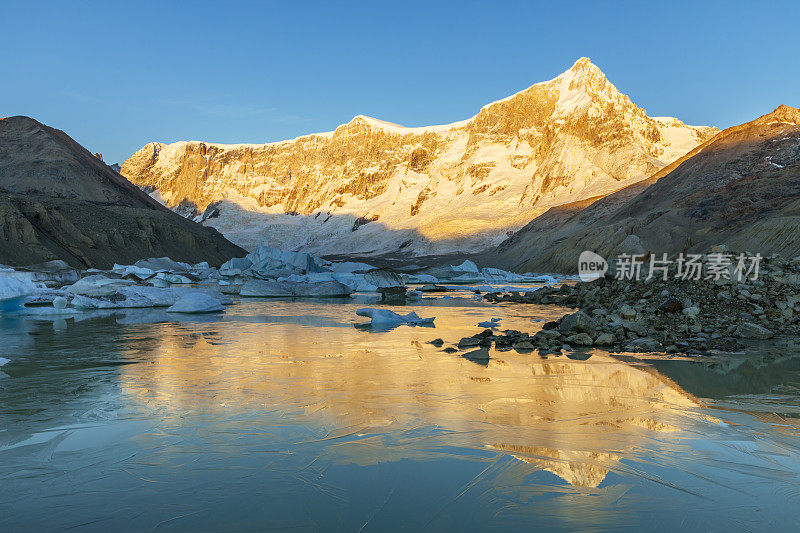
(58, 201)
(741, 188)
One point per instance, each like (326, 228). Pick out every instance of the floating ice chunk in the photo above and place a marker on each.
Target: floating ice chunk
(59, 302)
(173, 278)
(348, 267)
(489, 324)
(467, 266)
(97, 285)
(422, 278)
(266, 258)
(163, 264)
(278, 289)
(237, 265)
(4, 361)
(495, 275)
(223, 299)
(384, 317)
(413, 295)
(117, 300)
(196, 302)
(14, 293)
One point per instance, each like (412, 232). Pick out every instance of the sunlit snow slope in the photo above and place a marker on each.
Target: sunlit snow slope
(373, 187)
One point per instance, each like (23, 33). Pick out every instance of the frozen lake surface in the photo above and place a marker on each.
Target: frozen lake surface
(294, 415)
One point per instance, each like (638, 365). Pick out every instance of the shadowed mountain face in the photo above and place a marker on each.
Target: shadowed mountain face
(439, 189)
(61, 202)
(741, 188)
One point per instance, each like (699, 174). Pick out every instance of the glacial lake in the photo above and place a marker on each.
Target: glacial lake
(293, 415)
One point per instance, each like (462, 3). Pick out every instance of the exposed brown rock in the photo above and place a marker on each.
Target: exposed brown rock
(59, 201)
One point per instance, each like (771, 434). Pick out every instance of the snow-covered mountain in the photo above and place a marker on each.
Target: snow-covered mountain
(373, 187)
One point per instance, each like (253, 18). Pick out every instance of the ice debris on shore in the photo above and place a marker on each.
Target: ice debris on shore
(55, 288)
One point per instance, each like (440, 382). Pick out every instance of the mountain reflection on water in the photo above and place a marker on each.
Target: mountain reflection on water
(282, 414)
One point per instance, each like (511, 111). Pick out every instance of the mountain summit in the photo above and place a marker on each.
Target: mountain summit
(373, 187)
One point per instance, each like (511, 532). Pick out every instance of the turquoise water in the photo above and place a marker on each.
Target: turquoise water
(293, 415)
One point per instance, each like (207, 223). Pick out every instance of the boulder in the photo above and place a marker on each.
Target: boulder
(578, 322)
(605, 339)
(749, 330)
(646, 343)
(580, 339)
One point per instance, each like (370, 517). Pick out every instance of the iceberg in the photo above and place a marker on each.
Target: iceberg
(4, 361)
(384, 317)
(489, 324)
(467, 266)
(283, 289)
(14, 293)
(266, 258)
(196, 302)
(348, 267)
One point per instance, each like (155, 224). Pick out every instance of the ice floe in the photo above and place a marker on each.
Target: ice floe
(196, 302)
(385, 317)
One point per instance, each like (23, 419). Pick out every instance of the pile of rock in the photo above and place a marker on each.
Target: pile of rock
(673, 315)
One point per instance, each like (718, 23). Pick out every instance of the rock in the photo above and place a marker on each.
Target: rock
(605, 339)
(671, 305)
(524, 346)
(433, 288)
(627, 312)
(196, 302)
(578, 322)
(631, 245)
(450, 349)
(580, 339)
(646, 343)
(468, 342)
(749, 330)
(691, 312)
(552, 324)
(480, 355)
(437, 342)
(392, 294)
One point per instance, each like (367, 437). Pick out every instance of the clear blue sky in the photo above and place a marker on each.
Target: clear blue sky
(116, 75)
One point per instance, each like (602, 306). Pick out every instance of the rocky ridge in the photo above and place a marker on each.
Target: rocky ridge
(60, 202)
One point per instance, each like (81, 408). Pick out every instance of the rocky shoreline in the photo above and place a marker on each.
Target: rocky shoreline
(704, 316)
